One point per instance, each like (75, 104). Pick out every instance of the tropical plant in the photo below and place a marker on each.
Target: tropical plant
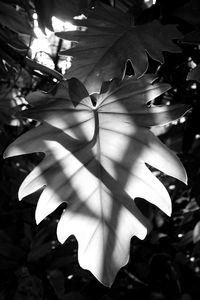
(97, 140)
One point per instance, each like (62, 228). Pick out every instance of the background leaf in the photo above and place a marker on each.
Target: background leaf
(196, 233)
(194, 74)
(62, 9)
(110, 39)
(13, 19)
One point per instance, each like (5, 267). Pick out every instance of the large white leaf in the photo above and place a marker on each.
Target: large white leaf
(96, 162)
(109, 39)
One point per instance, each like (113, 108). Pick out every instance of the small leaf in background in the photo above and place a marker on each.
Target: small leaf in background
(13, 39)
(186, 239)
(192, 37)
(196, 233)
(108, 40)
(95, 162)
(62, 9)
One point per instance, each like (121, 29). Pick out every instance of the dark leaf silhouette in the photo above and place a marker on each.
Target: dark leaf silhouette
(13, 19)
(192, 37)
(189, 12)
(196, 233)
(109, 39)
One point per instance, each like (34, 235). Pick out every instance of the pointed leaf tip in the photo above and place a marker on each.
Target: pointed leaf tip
(184, 178)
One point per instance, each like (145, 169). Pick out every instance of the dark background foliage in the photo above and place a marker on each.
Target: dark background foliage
(33, 265)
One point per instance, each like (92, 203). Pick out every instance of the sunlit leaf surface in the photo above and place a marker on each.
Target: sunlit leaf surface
(109, 39)
(95, 161)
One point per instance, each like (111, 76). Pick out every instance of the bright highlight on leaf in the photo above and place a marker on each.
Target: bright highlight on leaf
(109, 39)
(95, 161)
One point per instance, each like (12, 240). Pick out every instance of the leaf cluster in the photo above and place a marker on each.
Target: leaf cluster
(94, 127)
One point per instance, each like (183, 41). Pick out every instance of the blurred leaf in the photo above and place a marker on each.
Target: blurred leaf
(39, 252)
(13, 19)
(186, 239)
(57, 281)
(12, 51)
(8, 105)
(7, 58)
(192, 206)
(45, 234)
(65, 257)
(192, 37)
(188, 13)
(62, 9)
(196, 233)
(29, 287)
(111, 39)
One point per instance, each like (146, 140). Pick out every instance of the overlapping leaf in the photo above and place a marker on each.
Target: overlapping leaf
(96, 162)
(109, 40)
(62, 9)
(13, 19)
(12, 51)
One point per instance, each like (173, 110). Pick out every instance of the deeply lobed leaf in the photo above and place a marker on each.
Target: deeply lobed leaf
(109, 39)
(96, 162)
